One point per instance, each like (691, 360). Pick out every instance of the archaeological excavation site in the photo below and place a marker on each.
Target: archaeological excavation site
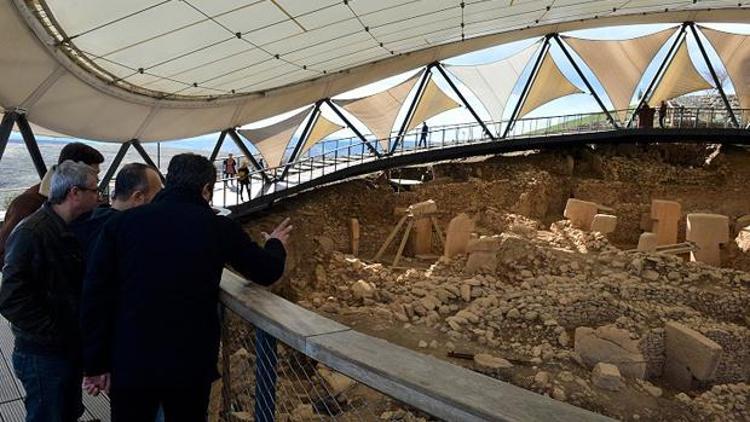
(613, 278)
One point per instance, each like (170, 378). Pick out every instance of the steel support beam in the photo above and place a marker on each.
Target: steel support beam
(217, 147)
(453, 86)
(114, 165)
(31, 145)
(585, 80)
(9, 119)
(352, 127)
(658, 75)
(526, 87)
(314, 115)
(142, 152)
(241, 145)
(713, 73)
(413, 106)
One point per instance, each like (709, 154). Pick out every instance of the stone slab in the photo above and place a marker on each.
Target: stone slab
(580, 213)
(612, 345)
(699, 353)
(604, 223)
(458, 235)
(666, 217)
(708, 231)
(647, 242)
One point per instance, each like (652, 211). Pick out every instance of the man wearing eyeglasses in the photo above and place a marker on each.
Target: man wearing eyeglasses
(40, 296)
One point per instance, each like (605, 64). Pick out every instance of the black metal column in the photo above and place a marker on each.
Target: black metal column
(9, 119)
(352, 127)
(142, 152)
(114, 165)
(463, 100)
(31, 145)
(526, 87)
(585, 81)
(314, 115)
(236, 138)
(410, 111)
(657, 76)
(218, 145)
(713, 73)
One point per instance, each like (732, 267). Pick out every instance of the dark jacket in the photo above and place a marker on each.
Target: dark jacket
(149, 307)
(87, 229)
(20, 207)
(41, 288)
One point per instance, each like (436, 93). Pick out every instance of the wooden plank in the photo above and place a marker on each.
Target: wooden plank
(439, 388)
(390, 238)
(407, 233)
(282, 319)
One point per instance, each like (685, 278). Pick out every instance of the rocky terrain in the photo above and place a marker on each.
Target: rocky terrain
(579, 316)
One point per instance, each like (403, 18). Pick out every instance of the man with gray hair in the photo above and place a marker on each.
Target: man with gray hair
(40, 296)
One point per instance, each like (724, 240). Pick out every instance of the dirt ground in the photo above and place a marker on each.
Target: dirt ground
(524, 319)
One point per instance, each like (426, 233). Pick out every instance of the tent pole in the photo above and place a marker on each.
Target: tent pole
(352, 127)
(142, 152)
(114, 165)
(9, 119)
(31, 145)
(527, 87)
(302, 139)
(217, 147)
(585, 81)
(713, 74)
(412, 106)
(453, 86)
(657, 76)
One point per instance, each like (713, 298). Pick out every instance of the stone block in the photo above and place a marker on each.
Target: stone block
(604, 223)
(607, 377)
(708, 231)
(613, 345)
(481, 261)
(484, 244)
(647, 242)
(422, 209)
(580, 213)
(666, 217)
(698, 353)
(458, 235)
(421, 237)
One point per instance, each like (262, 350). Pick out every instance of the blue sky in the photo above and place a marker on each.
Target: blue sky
(579, 103)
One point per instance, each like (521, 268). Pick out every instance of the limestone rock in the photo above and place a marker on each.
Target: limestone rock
(337, 383)
(613, 345)
(362, 289)
(458, 235)
(493, 362)
(607, 377)
(699, 354)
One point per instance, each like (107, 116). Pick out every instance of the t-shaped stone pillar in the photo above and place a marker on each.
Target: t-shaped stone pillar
(580, 213)
(708, 231)
(666, 217)
(458, 235)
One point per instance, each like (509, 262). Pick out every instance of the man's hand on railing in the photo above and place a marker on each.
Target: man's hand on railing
(281, 232)
(96, 384)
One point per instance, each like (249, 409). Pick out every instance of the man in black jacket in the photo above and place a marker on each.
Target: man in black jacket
(40, 296)
(149, 314)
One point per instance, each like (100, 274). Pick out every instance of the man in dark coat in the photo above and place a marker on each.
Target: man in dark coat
(40, 296)
(149, 305)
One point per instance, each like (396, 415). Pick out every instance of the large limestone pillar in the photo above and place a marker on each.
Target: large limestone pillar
(708, 231)
(580, 213)
(666, 217)
(458, 235)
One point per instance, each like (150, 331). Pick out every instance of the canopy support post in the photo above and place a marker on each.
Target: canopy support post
(585, 80)
(31, 145)
(713, 74)
(114, 165)
(142, 152)
(9, 119)
(527, 87)
(217, 147)
(453, 86)
(302, 139)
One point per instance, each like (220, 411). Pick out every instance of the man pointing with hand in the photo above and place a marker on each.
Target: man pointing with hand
(149, 316)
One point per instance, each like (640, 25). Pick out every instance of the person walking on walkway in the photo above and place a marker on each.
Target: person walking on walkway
(149, 308)
(40, 296)
(34, 197)
(423, 135)
(230, 169)
(243, 178)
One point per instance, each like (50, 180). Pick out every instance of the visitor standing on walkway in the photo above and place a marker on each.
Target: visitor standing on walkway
(423, 136)
(149, 308)
(243, 178)
(34, 197)
(662, 113)
(40, 296)
(230, 169)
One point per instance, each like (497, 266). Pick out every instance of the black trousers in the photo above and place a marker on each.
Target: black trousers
(181, 403)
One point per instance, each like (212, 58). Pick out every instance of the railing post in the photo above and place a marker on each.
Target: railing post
(265, 376)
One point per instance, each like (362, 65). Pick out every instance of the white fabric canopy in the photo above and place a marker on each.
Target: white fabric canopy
(679, 78)
(272, 140)
(619, 64)
(549, 84)
(492, 83)
(379, 111)
(322, 128)
(734, 51)
(433, 102)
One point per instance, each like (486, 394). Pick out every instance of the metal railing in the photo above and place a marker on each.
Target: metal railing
(339, 154)
(280, 361)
